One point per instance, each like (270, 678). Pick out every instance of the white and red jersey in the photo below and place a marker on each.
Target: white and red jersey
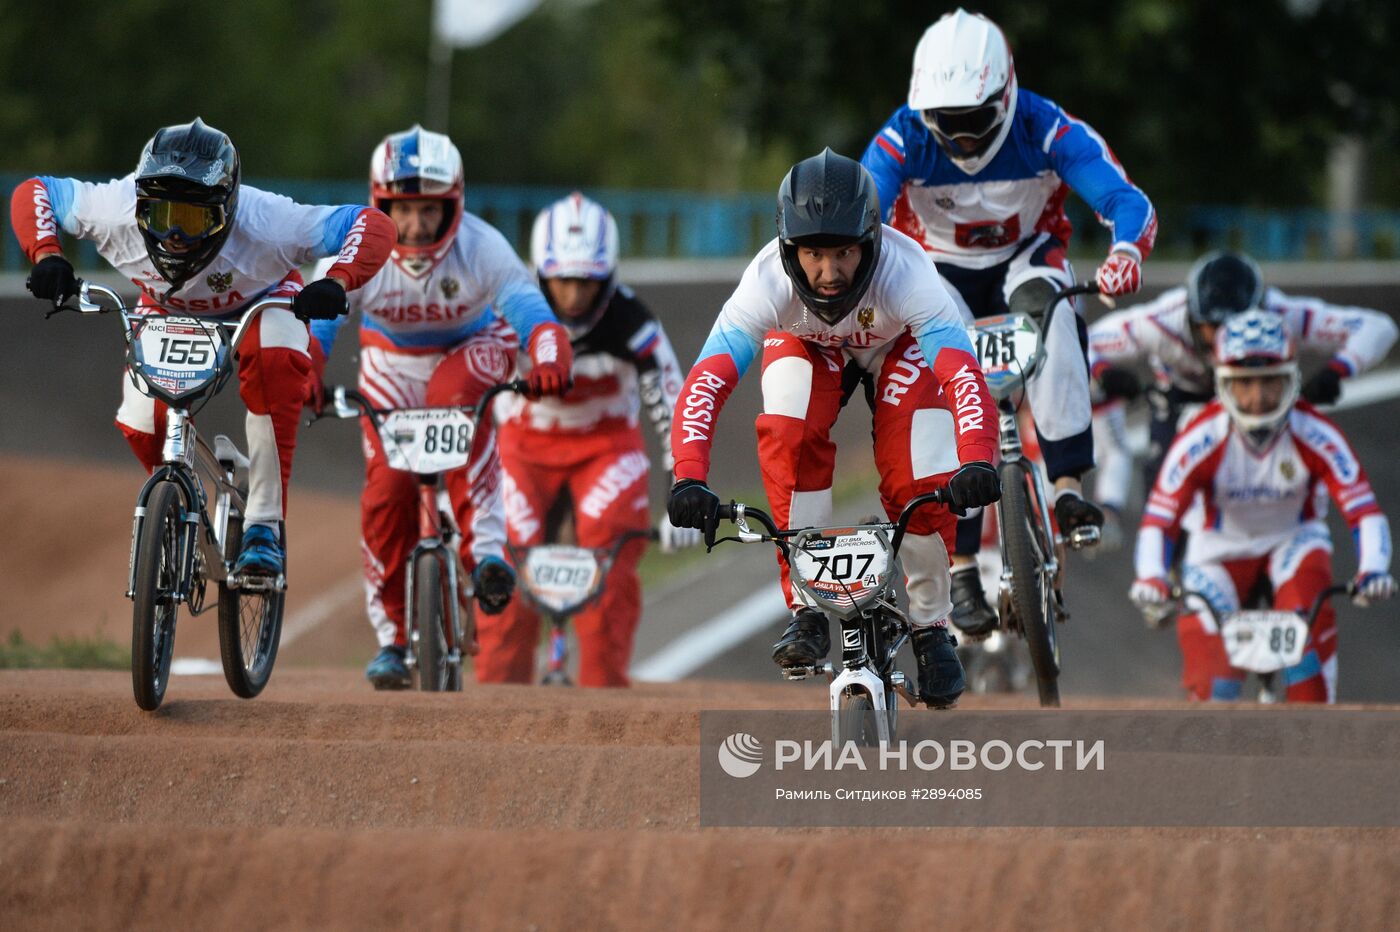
(621, 363)
(478, 279)
(904, 294)
(271, 238)
(1159, 332)
(1253, 501)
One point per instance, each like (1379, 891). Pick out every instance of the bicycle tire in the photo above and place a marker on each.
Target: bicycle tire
(250, 627)
(1027, 549)
(430, 618)
(155, 579)
(855, 722)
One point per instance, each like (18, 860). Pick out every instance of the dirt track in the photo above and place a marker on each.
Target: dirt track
(321, 804)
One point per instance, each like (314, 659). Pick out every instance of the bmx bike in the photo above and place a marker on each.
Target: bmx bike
(188, 525)
(439, 618)
(850, 574)
(1030, 603)
(559, 581)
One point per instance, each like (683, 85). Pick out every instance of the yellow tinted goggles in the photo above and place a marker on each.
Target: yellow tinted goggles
(189, 222)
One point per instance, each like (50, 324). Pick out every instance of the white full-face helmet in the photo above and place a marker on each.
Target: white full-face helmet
(964, 87)
(417, 164)
(1256, 344)
(576, 238)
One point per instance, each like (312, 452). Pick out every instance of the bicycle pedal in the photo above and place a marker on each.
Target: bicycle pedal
(1084, 537)
(256, 582)
(796, 673)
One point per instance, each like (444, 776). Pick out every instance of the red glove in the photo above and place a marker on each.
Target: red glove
(551, 361)
(1120, 274)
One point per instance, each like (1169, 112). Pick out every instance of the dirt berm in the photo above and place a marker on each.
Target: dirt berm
(324, 805)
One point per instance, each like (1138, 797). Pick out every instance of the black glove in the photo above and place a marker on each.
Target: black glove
(323, 299)
(52, 278)
(1120, 383)
(692, 504)
(494, 583)
(973, 486)
(1324, 388)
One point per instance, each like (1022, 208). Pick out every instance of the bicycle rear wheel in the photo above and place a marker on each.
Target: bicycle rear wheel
(250, 626)
(1027, 550)
(156, 577)
(432, 623)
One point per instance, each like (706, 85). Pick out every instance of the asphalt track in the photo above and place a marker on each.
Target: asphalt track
(59, 381)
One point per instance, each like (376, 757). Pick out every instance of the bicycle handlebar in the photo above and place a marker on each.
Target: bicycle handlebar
(1083, 288)
(87, 305)
(349, 402)
(1179, 596)
(737, 511)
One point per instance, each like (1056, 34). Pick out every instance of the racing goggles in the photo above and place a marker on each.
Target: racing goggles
(182, 221)
(968, 122)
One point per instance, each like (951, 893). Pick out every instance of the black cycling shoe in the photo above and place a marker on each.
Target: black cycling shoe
(805, 642)
(941, 679)
(973, 615)
(1072, 511)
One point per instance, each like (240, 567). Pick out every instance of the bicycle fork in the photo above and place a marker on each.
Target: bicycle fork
(432, 531)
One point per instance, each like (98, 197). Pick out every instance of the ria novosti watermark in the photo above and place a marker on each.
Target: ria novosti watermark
(1212, 767)
(741, 754)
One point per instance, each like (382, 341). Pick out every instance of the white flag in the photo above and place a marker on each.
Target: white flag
(463, 23)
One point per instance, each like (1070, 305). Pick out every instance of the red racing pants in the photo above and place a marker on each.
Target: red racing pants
(605, 476)
(389, 505)
(273, 365)
(915, 452)
(1299, 571)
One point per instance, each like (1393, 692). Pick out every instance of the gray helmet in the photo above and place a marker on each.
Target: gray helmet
(829, 200)
(186, 194)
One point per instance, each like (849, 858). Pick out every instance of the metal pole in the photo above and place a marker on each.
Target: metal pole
(439, 80)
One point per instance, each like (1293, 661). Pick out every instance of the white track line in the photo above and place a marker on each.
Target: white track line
(706, 641)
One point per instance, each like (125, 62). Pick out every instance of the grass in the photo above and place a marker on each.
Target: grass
(75, 653)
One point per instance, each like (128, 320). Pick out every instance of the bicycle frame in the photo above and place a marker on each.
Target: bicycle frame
(189, 463)
(437, 532)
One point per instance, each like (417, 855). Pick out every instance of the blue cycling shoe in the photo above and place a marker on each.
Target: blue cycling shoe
(388, 670)
(262, 552)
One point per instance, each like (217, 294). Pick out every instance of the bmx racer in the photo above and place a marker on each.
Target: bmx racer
(1262, 463)
(584, 449)
(198, 242)
(838, 285)
(976, 170)
(1175, 334)
(439, 324)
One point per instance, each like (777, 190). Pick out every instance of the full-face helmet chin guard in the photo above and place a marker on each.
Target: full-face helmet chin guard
(417, 164)
(1256, 344)
(829, 200)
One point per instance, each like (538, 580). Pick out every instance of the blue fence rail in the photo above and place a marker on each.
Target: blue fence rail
(678, 224)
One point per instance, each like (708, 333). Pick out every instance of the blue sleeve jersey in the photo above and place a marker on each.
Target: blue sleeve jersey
(978, 220)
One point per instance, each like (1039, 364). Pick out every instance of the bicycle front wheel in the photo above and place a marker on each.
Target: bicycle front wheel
(156, 577)
(431, 622)
(250, 626)
(1027, 551)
